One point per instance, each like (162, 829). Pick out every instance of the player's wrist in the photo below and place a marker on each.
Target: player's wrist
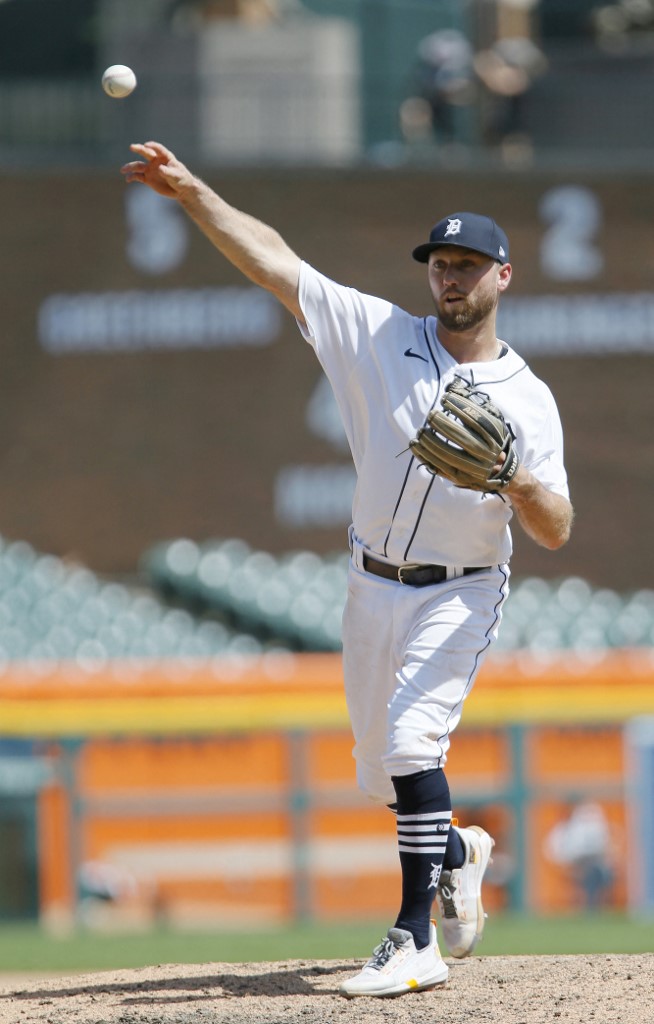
(189, 189)
(523, 486)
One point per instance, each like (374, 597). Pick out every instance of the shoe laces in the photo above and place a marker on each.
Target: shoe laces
(382, 953)
(447, 894)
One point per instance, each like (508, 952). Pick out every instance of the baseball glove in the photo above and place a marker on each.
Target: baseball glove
(463, 440)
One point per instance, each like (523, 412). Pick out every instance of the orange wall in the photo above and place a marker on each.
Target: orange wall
(245, 776)
(188, 792)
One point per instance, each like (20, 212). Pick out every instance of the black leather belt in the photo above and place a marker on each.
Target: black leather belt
(414, 575)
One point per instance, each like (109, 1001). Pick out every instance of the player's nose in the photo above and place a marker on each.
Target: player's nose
(449, 277)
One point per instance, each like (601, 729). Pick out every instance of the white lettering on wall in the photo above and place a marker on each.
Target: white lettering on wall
(135, 321)
(573, 325)
(323, 416)
(314, 496)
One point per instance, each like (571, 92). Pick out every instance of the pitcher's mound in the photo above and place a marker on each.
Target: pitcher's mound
(593, 989)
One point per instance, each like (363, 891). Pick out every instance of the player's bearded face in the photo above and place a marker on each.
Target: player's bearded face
(467, 311)
(464, 288)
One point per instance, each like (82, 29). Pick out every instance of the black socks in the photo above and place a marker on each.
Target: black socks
(424, 813)
(455, 853)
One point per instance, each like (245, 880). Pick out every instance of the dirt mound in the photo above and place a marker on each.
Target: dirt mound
(593, 989)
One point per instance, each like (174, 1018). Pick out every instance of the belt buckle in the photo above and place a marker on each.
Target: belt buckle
(401, 570)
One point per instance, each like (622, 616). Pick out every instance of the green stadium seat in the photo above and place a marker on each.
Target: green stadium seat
(51, 612)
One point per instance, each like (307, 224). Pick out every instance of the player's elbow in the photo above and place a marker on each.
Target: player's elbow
(560, 529)
(551, 527)
(554, 543)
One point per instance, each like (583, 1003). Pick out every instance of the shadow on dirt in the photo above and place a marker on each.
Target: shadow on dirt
(282, 981)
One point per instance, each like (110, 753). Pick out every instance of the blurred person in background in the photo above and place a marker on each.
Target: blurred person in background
(444, 85)
(454, 85)
(583, 844)
(506, 72)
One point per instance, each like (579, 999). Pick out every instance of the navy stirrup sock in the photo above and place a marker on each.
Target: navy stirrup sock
(455, 853)
(424, 813)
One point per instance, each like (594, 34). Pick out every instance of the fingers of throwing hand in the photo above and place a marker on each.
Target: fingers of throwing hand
(160, 150)
(158, 168)
(147, 152)
(152, 151)
(133, 167)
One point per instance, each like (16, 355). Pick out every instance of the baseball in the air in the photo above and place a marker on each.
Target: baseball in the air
(118, 81)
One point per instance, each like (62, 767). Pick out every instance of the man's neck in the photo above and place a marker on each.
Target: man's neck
(479, 345)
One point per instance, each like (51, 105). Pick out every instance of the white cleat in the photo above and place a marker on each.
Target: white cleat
(458, 895)
(396, 967)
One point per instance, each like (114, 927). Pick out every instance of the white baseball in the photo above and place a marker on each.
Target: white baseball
(118, 81)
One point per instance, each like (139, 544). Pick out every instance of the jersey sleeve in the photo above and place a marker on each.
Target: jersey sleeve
(340, 321)
(547, 463)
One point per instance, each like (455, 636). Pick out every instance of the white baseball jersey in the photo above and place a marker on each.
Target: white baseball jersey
(411, 654)
(388, 369)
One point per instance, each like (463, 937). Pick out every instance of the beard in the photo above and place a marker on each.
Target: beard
(466, 314)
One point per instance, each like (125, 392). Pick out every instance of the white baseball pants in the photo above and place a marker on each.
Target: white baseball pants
(410, 658)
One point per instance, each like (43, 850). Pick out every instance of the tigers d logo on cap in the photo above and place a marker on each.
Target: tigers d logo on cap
(453, 226)
(469, 231)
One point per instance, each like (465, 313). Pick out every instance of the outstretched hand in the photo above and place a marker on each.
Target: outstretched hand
(159, 169)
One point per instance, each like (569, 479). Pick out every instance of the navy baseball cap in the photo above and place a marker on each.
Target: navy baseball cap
(470, 231)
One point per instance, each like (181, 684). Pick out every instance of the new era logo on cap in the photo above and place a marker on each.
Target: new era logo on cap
(470, 231)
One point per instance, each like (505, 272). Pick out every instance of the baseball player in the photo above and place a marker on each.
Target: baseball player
(451, 435)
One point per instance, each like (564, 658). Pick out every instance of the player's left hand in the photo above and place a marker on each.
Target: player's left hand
(467, 440)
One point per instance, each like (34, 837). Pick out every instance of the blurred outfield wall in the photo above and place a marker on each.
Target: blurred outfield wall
(222, 792)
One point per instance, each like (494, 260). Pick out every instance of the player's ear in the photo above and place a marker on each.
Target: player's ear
(504, 276)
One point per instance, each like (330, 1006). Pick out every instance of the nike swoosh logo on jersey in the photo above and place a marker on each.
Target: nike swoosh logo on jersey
(416, 355)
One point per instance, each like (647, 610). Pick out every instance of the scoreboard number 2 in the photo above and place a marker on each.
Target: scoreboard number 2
(568, 249)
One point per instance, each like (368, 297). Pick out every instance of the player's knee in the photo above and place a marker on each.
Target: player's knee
(411, 750)
(376, 784)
